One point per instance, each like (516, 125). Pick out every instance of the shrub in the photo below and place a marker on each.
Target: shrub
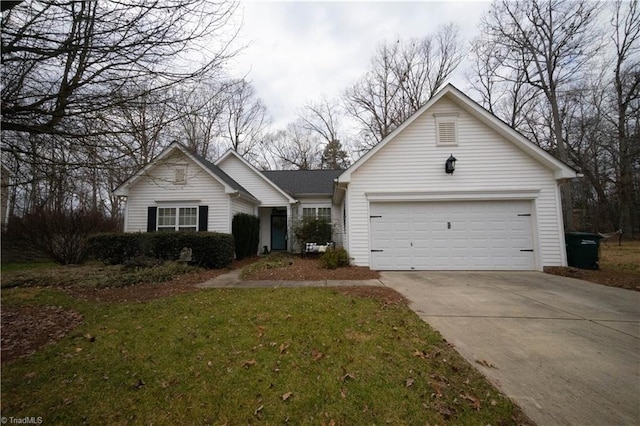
(117, 248)
(335, 258)
(61, 235)
(246, 233)
(313, 230)
(209, 249)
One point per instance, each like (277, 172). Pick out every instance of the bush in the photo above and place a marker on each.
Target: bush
(313, 230)
(246, 233)
(209, 249)
(61, 235)
(335, 258)
(116, 248)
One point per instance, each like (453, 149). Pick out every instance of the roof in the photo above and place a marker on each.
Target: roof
(214, 170)
(560, 169)
(300, 182)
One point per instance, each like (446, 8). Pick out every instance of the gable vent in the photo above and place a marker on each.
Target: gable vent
(447, 133)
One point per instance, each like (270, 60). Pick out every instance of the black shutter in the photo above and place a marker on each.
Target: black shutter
(151, 219)
(203, 218)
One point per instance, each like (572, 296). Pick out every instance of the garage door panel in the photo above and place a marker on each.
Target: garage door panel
(452, 235)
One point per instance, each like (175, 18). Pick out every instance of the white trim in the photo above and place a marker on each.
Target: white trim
(453, 195)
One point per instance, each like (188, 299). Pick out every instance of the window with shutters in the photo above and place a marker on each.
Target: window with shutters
(172, 219)
(446, 129)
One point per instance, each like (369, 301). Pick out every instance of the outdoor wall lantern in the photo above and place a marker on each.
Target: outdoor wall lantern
(450, 165)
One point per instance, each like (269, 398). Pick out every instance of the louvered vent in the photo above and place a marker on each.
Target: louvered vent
(447, 133)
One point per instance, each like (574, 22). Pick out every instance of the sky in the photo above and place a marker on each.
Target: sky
(299, 51)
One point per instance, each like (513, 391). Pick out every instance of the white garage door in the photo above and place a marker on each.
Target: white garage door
(465, 235)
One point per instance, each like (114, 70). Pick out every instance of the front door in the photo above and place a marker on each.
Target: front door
(279, 232)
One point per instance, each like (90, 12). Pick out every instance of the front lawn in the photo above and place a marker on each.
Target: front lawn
(238, 356)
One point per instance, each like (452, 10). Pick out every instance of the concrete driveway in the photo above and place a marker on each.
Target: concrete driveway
(567, 351)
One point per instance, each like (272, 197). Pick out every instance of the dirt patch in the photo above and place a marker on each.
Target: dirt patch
(628, 280)
(386, 295)
(305, 269)
(26, 329)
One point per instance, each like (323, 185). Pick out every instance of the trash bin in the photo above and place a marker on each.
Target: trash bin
(582, 249)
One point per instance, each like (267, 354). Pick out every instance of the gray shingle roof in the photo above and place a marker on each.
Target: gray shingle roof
(297, 182)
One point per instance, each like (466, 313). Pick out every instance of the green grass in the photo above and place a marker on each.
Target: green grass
(228, 356)
(25, 266)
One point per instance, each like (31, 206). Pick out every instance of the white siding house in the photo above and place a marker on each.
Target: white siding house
(398, 207)
(499, 209)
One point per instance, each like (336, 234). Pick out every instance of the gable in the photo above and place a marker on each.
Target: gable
(257, 184)
(459, 102)
(174, 159)
(414, 159)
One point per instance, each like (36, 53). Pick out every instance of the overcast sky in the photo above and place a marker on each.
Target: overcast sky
(299, 51)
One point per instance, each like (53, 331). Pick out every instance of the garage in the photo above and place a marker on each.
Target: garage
(452, 235)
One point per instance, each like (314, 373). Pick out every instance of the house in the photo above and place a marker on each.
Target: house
(403, 205)
(180, 191)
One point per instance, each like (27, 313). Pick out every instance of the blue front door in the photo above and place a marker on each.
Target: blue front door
(278, 232)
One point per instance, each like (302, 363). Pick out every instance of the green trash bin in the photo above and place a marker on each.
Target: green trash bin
(582, 249)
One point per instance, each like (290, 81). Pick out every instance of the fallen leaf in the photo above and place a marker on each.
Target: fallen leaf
(475, 403)
(78, 349)
(348, 376)
(485, 363)
(257, 410)
(138, 385)
(89, 337)
(30, 375)
(287, 396)
(317, 356)
(343, 393)
(260, 331)
(494, 402)
(249, 363)
(284, 347)
(438, 388)
(419, 354)
(409, 382)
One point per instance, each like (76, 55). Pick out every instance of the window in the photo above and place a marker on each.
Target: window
(320, 213)
(446, 129)
(187, 219)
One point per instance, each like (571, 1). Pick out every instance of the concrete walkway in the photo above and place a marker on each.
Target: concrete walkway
(567, 351)
(232, 280)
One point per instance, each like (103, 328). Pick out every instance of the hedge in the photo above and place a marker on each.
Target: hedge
(209, 249)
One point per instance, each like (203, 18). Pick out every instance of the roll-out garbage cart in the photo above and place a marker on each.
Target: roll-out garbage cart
(583, 249)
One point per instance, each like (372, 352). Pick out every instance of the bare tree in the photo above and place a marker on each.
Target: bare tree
(200, 109)
(549, 43)
(71, 59)
(401, 78)
(626, 83)
(245, 116)
(296, 147)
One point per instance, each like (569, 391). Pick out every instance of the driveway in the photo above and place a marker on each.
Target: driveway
(567, 351)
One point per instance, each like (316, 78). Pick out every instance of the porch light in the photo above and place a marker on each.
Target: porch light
(450, 164)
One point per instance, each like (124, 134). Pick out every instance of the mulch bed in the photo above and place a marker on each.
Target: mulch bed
(305, 269)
